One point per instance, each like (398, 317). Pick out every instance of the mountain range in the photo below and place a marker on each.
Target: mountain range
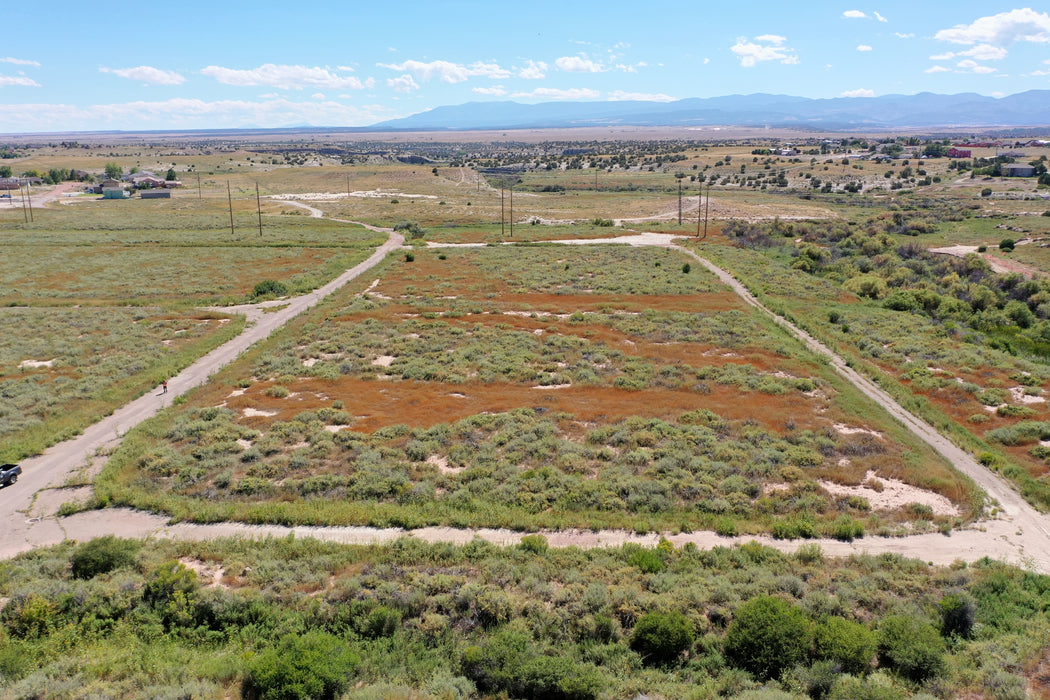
(924, 110)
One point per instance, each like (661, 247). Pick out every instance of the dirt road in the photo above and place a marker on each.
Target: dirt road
(1018, 534)
(29, 524)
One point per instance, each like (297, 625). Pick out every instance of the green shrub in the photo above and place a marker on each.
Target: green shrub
(647, 560)
(1007, 244)
(537, 544)
(767, 637)
(726, 527)
(269, 288)
(958, 611)
(847, 529)
(661, 637)
(851, 645)
(910, 646)
(559, 678)
(315, 665)
(102, 555)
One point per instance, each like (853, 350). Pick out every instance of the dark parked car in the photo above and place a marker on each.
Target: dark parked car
(9, 474)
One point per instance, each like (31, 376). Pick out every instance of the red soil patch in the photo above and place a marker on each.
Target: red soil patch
(424, 404)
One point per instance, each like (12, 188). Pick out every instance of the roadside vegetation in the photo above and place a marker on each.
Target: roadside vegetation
(297, 618)
(965, 346)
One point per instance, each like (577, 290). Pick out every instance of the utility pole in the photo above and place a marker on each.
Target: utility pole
(29, 196)
(596, 178)
(512, 210)
(502, 218)
(199, 187)
(258, 207)
(229, 197)
(707, 208)
(679, 201)
(25, 213)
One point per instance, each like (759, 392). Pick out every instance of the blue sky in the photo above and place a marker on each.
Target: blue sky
(78, 66)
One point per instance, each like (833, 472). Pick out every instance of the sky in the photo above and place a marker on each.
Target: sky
(78, 66)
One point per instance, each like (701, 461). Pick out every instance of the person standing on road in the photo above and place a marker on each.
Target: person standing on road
(164, 387)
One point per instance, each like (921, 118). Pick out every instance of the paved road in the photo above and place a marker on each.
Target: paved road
(1019, 534)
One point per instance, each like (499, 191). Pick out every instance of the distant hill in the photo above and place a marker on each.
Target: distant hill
(924, 110)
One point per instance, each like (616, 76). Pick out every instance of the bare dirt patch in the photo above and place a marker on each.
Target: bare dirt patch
(894, 494)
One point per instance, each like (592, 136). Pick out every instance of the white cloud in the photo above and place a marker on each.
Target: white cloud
(937, 69)
(969, 66)
(854, 14)
(903, 36)
(20, 62)
(1002, 29)
(621, 96)
(862, 92)
(497, 90)
(863, 47)
(286, 77)
(628, 68)
(880, 17)
(535, 70)
(403, 84)
(578, 64)
(147, 75)
(19, 80)
(346, 69)
(769, 49)
(185, 113)
(448, 72)
(555, 94)
(318, 95)
(706, 61)
(981, 52)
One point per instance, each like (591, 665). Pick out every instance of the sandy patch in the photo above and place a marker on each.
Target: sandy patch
(245, 444)
(1017, 392)
(843, 429)
(442, 464)
(384, 361)
(34, 364)
(254, 412)
(894, 494)
(237, 392)
(552, 386)
(210, 575)
(333, 196)
(310, 362)
(334, 428)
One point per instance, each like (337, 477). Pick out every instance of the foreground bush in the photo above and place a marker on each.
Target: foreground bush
(102, 555)
(767, 637)
(315, 666)
(850, 645)
(661, 637)
(911, 646)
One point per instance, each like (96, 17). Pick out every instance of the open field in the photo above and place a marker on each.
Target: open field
(533, 387)
(570, 389)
